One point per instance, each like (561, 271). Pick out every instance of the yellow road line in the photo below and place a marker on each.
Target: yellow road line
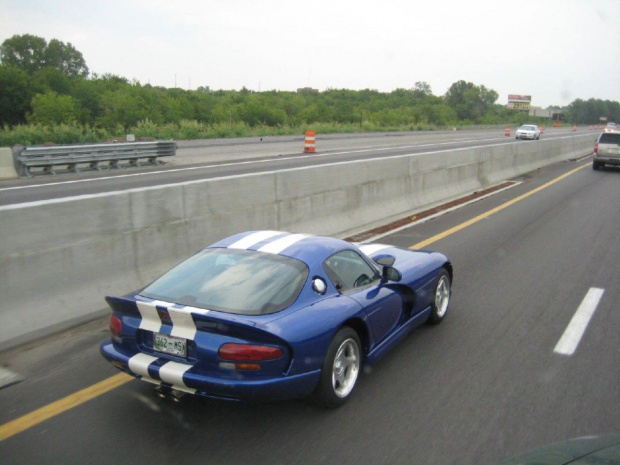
(449, 232)
(56, 408)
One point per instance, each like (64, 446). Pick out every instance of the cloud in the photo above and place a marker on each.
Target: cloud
(554, 50)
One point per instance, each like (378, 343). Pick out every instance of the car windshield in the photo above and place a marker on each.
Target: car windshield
(610, 138)
(232, 281)
(528, 128)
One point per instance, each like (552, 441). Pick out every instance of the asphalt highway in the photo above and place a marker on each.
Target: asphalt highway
(488, 383)
(197, 160)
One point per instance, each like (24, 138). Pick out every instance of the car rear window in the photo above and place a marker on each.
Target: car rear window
(233, 281)
(609, 138)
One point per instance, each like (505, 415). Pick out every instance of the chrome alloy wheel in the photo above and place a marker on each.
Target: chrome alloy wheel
(346, 367)
(442, 296)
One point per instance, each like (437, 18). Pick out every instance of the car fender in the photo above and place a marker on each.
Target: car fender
(418, 269)
(309, 330)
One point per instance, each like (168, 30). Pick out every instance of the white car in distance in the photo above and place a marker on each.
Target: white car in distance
(528, 131)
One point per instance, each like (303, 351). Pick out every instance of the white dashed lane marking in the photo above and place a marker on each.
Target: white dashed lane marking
(578, 324)
(7, 378)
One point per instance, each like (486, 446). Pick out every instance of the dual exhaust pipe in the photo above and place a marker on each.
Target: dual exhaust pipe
(168, 393)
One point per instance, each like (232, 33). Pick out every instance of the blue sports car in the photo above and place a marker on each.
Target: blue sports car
(267, 315)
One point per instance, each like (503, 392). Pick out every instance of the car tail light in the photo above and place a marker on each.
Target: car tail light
(245, 356)
(249, 353)
(116, 328)
(596, 148)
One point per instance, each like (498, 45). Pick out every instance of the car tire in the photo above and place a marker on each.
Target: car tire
(596, 166)
(441, 298)
(341, 369)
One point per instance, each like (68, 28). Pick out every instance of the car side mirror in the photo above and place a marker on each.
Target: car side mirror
(389, 272)
(392, 274)
(386, 260)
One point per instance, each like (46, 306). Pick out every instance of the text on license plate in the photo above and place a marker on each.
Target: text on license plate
(170, 344)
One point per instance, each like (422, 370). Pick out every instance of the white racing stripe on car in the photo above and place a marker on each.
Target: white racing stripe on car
(253, 239)
(172, 373)
(279, 245)
(181, 318)
(369, 249)
(188, 309)
(150, 318)
(139, 364)
(182, 322)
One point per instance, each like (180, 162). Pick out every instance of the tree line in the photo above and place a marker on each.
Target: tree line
(47, 84)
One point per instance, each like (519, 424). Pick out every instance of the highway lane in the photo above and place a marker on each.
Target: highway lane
(483, 385)
(527, 269)
(196, 162)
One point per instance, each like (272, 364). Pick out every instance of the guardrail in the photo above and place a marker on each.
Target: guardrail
(92, 156)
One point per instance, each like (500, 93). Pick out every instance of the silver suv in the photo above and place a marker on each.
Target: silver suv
(607, 150)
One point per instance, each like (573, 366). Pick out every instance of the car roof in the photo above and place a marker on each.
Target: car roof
(305, 247)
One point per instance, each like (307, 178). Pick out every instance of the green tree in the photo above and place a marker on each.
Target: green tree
(51, 108)
(26, 52)
(50, 80)
(440, 114)
(223, 113)
(123, 107)
(488, 96)
(202, 104)
(87, 92)
(341, 103)
(470, 101)
(255, 112)
(422, 87)
(293, 104)
(32, 54)
(65, 58)
(591, 111)
(178, 105)
(15, 95)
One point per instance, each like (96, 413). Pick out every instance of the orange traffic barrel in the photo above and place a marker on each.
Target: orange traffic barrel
(309, 143)
(507, 131)
(590, 128)
(542, 129)
(574, 127)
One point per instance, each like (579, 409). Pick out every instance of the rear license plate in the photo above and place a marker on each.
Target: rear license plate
(170, 344)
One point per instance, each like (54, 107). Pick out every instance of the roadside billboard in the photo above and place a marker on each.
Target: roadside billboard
(519, 102)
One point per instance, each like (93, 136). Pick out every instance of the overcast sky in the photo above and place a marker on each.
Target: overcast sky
(554, 50)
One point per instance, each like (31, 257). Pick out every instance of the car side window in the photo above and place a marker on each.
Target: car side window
(347, 271)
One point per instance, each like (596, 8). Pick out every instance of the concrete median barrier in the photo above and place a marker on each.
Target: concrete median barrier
(7, 165)
(59, 258)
